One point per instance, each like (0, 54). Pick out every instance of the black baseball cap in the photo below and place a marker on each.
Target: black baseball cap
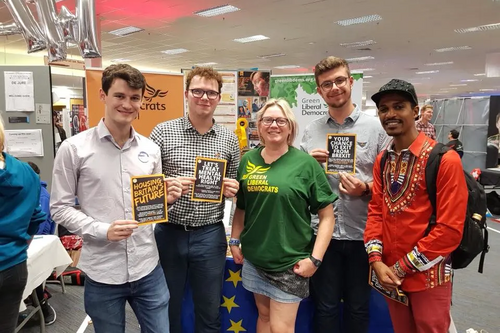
(399, 87)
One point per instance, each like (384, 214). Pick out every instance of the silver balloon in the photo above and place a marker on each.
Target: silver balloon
(47, 15)
(27, 24)
(87, 29)
(67, 21)
(9, 29)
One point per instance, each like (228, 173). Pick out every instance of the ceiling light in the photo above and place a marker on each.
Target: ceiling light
(125, 31)
(250, 39)
(367, 77)
(214, 11)
(359, 44)
(359, 20)
(469, 80)
(451, 88)
(427, 72)
(364, 69)
(360, 59)
(478, 28)
(121, 60)
(205, 64)
(458, 85)
(272, 55)
(287, 66)
(454, 48)
(440, 63)
(174, 51)
(487, 89)
(480, 74)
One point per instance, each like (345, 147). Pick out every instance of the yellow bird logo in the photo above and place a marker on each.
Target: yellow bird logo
(251, 169)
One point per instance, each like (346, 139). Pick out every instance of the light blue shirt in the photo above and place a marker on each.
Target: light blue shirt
(371, 139)
(93, 167)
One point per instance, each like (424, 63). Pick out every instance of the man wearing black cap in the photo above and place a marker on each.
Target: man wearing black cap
(400, 253)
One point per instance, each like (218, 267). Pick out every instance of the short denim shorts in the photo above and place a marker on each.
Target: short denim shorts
(255, 283)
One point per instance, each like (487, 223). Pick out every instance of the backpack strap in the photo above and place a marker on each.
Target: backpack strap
(486, 249)
(431, 172)
(383, 160)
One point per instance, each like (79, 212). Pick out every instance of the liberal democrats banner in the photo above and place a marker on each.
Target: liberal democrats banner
(300, 92)
(162, 101)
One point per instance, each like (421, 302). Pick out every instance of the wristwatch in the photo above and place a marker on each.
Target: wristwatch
(367, 189)
(315, 261)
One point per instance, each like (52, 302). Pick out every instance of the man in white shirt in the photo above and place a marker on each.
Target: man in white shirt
(119, 257)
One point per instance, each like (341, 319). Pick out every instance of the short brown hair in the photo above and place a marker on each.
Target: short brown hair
(287, 112)
(263, 75)
(425, 107)
(328, 64)
(204, 72)
(131, 75)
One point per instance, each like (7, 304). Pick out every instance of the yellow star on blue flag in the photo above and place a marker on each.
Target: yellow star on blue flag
(234, 277)
(229, 303)
(236, 326)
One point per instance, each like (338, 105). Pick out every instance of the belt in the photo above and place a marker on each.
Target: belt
(190, 228)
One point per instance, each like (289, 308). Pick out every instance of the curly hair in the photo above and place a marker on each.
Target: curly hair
(204, 72)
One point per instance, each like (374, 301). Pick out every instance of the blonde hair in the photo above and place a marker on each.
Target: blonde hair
(2, 140)
(287, 112)
(425, 107)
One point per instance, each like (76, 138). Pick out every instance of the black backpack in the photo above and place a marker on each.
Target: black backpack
(475, 235)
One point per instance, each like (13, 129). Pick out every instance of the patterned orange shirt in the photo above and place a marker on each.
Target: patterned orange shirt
(399, 213)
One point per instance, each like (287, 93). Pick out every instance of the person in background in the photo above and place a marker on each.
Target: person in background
(193, 244)
(454, 143)
(59, 132)
(119, 256)
(20, 216)
(273, 217)
(424, 123)
(260, 81)
(400, 252)
(46, 228)
(343, 276)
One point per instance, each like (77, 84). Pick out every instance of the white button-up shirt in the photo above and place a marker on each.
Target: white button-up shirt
(93, 167)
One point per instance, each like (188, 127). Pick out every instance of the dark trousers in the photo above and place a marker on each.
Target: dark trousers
(343, 275)
(197, 257)
(12, 283)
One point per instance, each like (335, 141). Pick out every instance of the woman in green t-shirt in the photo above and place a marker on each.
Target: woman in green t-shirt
(280, 187)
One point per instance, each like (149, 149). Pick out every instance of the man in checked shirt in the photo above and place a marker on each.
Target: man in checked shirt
(424, 123)
(193, 244)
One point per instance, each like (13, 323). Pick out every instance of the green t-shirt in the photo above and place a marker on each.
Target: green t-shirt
(278, 200)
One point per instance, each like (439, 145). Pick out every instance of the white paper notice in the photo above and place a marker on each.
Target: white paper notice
(43, 113)
(19, 91)
(24, 143)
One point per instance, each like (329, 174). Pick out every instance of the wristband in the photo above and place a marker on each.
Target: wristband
(234, 242)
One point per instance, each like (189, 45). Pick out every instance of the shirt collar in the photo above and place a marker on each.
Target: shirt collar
(353, 116)
(415, 147)
(103, 132)
(186, 123)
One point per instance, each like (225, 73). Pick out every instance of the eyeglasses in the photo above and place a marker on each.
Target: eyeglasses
(268, 121)
(338, 82)
(198, 93)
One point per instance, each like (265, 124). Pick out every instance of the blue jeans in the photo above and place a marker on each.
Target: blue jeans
(197, 255)
(12, 283)
(148, 297)
(343, 275)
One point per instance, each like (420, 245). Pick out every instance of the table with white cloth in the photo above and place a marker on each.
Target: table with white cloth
(46, 254)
